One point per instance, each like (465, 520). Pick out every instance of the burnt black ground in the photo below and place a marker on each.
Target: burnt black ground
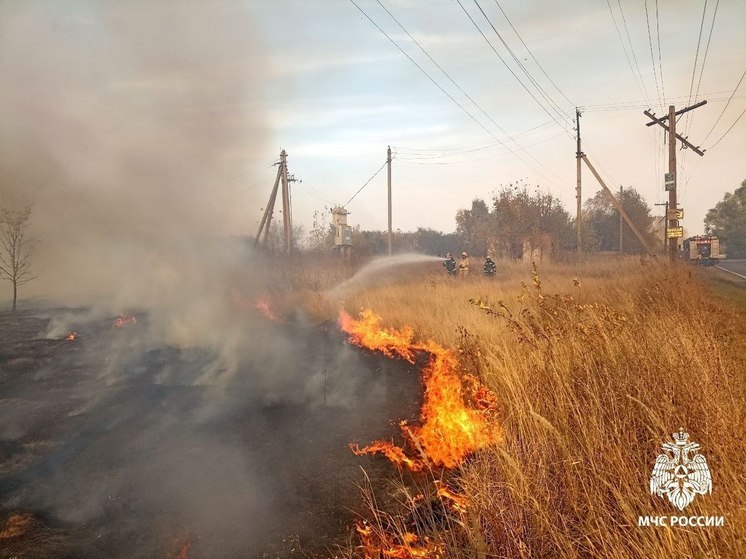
(135, 460)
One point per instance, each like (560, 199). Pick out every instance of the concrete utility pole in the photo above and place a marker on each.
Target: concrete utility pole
(281, 179)
(287, 224)
(578, 156)
(388, 161)
(621, 222)
(673, 232)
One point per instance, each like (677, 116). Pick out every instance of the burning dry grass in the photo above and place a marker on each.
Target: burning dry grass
(592, 373)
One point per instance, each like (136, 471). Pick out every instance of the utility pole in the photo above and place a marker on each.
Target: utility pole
(665, 227)
(388, 161)
(621, 222)
(671, 179)
(578, 157)
(286, 220)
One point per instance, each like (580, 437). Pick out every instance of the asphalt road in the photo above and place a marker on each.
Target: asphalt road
(735, 267)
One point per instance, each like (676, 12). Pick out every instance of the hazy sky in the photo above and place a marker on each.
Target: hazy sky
(337, 91)
(200, 96)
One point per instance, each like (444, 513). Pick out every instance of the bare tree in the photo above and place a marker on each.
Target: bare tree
(16, 247)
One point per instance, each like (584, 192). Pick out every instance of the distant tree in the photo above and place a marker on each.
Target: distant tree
(521, 218)
(727, 220)
(430, 241)
(601, 222)
(322, 232)
(16, 248)
(474, 228)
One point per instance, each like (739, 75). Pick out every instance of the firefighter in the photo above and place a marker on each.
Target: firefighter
(463, 265)
(490, 268)
(450, 264)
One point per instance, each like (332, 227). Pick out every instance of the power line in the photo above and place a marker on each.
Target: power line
(624, 48)
(540, 90)
(696, 56)
(726, 106)
(707, 48)
(366, 184)
(729, 129)
(660, 64)
(532, 54)
(652, 57)
(447, 75)
(553, 117)
(455, 101)
(632, 49)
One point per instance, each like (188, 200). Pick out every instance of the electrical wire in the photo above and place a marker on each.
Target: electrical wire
(696, 56)
(726, 106)
(660, 63)
(359, 190)
(652, 57)
(632, 50)
(729, 129)
(532, 54)
(482, 126)
(447, 75)
(553, 117)
(624, 48)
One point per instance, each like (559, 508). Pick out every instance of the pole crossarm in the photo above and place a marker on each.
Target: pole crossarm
(618, 206)
(657, 120)
(683, 140)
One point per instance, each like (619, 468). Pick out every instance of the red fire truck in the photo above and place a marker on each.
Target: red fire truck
(702, 249)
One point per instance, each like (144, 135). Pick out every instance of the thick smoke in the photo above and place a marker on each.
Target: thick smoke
(122, 121)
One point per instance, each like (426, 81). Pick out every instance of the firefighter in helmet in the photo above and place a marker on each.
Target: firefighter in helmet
(450, 264)
(490, 268)
(463, 264)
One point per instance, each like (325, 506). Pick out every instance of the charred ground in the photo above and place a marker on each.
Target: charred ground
(110, 446)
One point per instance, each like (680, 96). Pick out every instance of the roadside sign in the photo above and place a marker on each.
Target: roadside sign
(675, 232)
(677, 213)
(669, 182)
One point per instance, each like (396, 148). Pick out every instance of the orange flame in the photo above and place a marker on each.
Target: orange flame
(459, 503)
(184, 545)
(263, 306)
(71, 336)
(124, 320)
(457, 415)
(379, 544)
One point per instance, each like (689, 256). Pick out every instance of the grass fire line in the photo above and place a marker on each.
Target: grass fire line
(457, 414)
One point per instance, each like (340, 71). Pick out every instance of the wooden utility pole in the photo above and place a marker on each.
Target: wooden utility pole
(673, 244)
(578, 156)
(388, 162)
(671, 180)
(621, 222)
(665, 228)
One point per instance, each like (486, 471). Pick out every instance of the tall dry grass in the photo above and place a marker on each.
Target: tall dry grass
(594, 369)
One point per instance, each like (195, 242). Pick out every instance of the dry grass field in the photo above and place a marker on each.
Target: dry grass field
(593, 368)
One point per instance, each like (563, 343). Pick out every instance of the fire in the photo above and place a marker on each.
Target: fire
(457, 415)
(124, 320)
(184, 545)
(263, 306)
(457, 501)
(71, 336)
(378, 544)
